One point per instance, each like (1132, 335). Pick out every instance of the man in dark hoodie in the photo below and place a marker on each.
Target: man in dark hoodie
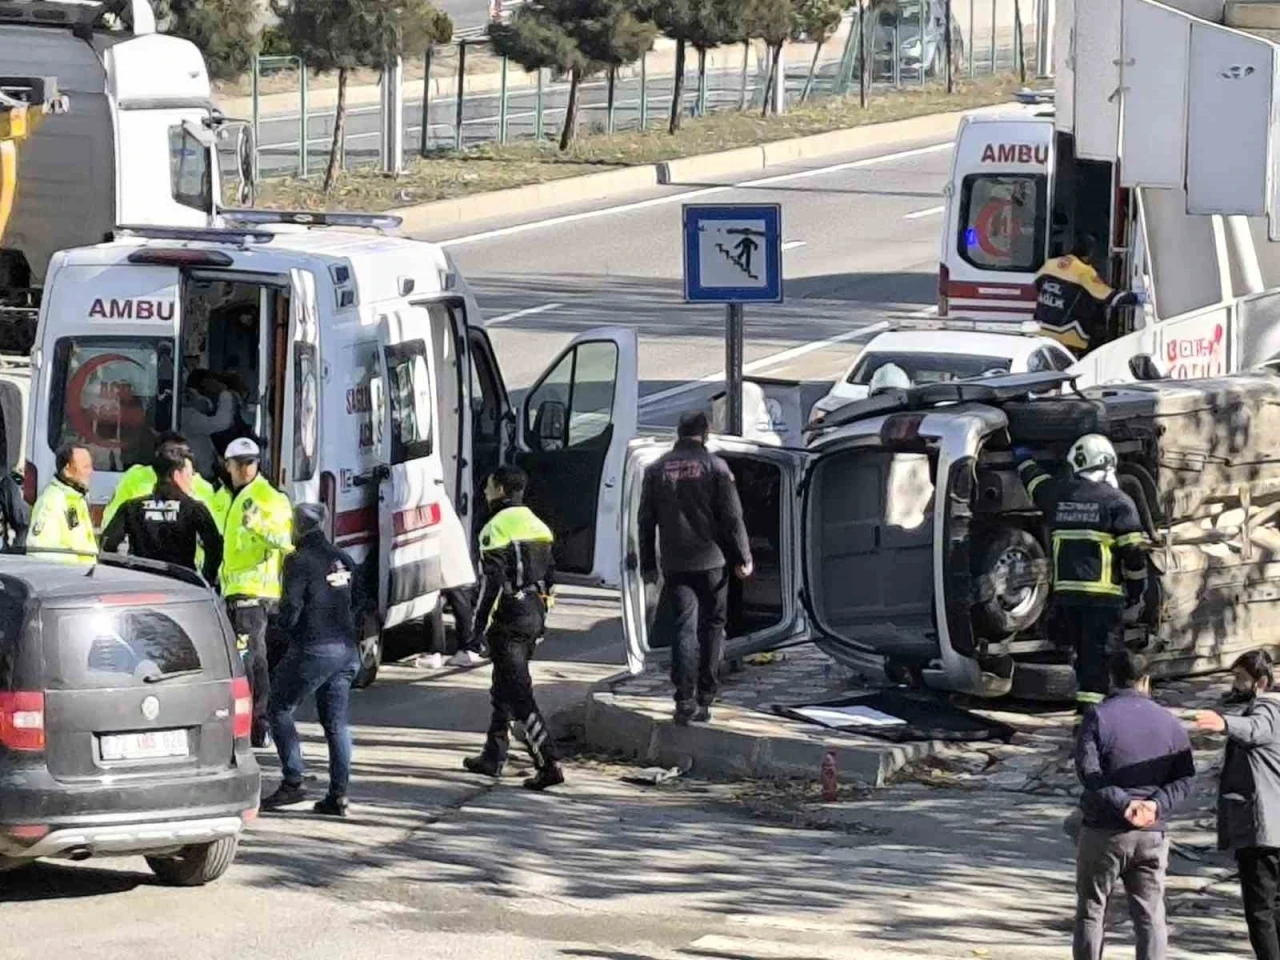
(1135, 764)
(689, 508)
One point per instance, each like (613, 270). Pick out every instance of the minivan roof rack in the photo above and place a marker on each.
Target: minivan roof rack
(199, 234)
(306, 218)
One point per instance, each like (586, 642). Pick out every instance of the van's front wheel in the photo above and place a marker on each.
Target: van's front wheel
(1013, 582)
(370, 651)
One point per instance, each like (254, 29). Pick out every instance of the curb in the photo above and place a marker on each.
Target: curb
(718, 753)
(537, 198)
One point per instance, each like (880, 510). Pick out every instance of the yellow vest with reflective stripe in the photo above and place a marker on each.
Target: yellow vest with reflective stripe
(61, 520)
(258, 533)
(511, 524)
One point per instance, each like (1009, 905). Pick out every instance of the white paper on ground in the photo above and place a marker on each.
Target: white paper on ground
(854, 716)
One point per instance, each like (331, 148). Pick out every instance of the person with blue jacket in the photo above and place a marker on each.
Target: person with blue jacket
(1135, 765)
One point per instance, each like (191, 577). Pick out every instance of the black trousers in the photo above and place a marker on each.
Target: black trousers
(692, 610)
(462, 602)
(1092, 630)
(1260, 886)
(512, 695)
(249, 620)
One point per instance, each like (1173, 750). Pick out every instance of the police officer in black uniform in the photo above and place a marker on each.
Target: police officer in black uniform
(517, 572)
(167, 524)
(689, 499)
(1100, 563)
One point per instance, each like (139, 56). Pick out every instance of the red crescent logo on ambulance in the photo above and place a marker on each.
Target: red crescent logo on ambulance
(81, 410)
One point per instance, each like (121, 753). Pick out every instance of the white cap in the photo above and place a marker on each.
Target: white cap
(242, 448)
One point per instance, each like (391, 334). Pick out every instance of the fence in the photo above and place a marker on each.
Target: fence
(461, 95)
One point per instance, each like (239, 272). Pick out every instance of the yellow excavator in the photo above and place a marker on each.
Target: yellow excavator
(24, 103)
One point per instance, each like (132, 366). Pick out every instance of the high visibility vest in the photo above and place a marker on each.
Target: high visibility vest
(61, 520)
(257, 533)
(140, 481)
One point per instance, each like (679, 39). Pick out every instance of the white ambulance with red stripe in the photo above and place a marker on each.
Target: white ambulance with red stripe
(369, 379)
(996, 232)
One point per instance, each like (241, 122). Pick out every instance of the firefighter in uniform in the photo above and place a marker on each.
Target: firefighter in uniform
(1099, 557)
(516, 576)
(1072, 301)
(257, 530)
(60, 520)
(168, 523)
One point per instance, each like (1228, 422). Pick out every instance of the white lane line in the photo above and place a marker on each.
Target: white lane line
(693, 194)
(793, 245)
(527, 312)
(777, 359)
(921, 214)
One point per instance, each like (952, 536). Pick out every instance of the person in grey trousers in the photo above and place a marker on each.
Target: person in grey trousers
(1249, 797)
(1135, 764)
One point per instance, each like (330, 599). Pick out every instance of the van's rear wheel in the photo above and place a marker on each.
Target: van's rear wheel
(196, 865)
(1013, 582)
(370, 652)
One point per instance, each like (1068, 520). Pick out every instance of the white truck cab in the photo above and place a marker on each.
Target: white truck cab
(372, 385)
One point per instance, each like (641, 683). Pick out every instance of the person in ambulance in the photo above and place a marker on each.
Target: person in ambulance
(1072, 301)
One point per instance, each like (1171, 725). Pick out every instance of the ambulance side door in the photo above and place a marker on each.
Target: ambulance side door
(300, 429)
(572, 432)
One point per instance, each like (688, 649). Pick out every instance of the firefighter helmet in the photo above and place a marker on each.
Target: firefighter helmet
(1092, 452)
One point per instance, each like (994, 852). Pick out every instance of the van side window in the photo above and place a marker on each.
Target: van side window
(1003, 221)
(573, 405)
(409, 391)
(190, 179)
(306, 411)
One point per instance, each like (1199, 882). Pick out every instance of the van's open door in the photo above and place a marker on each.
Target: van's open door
(300, 427)
(573, 431)
(421, 544)
(764, 611)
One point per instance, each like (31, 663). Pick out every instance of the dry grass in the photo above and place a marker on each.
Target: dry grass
(448, 174)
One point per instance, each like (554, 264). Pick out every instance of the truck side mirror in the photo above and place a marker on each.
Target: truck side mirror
(245, 150)
(1144, 368)
(550, 425)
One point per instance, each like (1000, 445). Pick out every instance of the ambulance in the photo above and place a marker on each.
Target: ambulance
(373, 385)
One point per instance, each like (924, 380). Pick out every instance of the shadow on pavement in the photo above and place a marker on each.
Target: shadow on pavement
(53, 881)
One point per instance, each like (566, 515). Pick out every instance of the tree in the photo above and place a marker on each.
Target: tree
(226, 31)
(573, 38)
(773, 22)
(703, 25)
(342, 35)
(816, 21)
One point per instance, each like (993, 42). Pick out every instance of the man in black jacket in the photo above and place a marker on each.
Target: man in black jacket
(690, 504)
(318, 610)
(1135, 765)
(166, 524)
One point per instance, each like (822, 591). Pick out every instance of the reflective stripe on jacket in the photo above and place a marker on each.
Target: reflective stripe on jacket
(515, 562)
(61, 520)
(257, 533)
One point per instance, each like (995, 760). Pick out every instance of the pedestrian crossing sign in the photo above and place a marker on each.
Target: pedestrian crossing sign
(733, 253)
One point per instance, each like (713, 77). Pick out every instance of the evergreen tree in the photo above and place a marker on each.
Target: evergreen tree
(703, 25)
(772, 21)
(226, 31)
(816, 21)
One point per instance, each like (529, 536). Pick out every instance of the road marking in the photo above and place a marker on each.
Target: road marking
(793, 245)
(528, 312)
(777, 359)
(692, 194)
(921, 214)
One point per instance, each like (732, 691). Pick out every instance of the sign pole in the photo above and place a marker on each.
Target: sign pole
(733, 345)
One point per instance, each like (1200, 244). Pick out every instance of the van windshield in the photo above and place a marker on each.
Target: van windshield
(1003, 221)
(113, 395)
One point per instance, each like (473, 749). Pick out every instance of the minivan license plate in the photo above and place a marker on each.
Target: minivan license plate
(153, 745)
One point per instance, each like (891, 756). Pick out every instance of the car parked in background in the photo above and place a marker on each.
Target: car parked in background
(916, 44)
(124, 718)
(916, 353)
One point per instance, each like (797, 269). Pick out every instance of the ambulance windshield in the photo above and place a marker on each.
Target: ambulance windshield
(1003, 221)
(113, 395)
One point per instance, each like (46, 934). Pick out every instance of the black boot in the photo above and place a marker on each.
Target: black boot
(332, 806)
(483, 766)
(549, 776)
(285, 795)
(702, 714)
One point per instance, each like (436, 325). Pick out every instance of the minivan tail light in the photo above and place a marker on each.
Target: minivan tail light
(242, 714)
(30, 483)
(22, 720)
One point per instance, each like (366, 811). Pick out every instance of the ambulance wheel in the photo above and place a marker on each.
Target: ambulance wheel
(370, 652)
(1013, 582)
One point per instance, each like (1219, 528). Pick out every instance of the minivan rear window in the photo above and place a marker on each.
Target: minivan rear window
(102, 646)
(1003, 221)
(113, 395)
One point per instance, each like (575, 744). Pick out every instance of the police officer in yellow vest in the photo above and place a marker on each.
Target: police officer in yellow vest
(517, 571)
(60, 519)
(257, 530)
(1072, 301)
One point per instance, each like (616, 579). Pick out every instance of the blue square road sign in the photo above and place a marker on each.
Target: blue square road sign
(733, 253)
